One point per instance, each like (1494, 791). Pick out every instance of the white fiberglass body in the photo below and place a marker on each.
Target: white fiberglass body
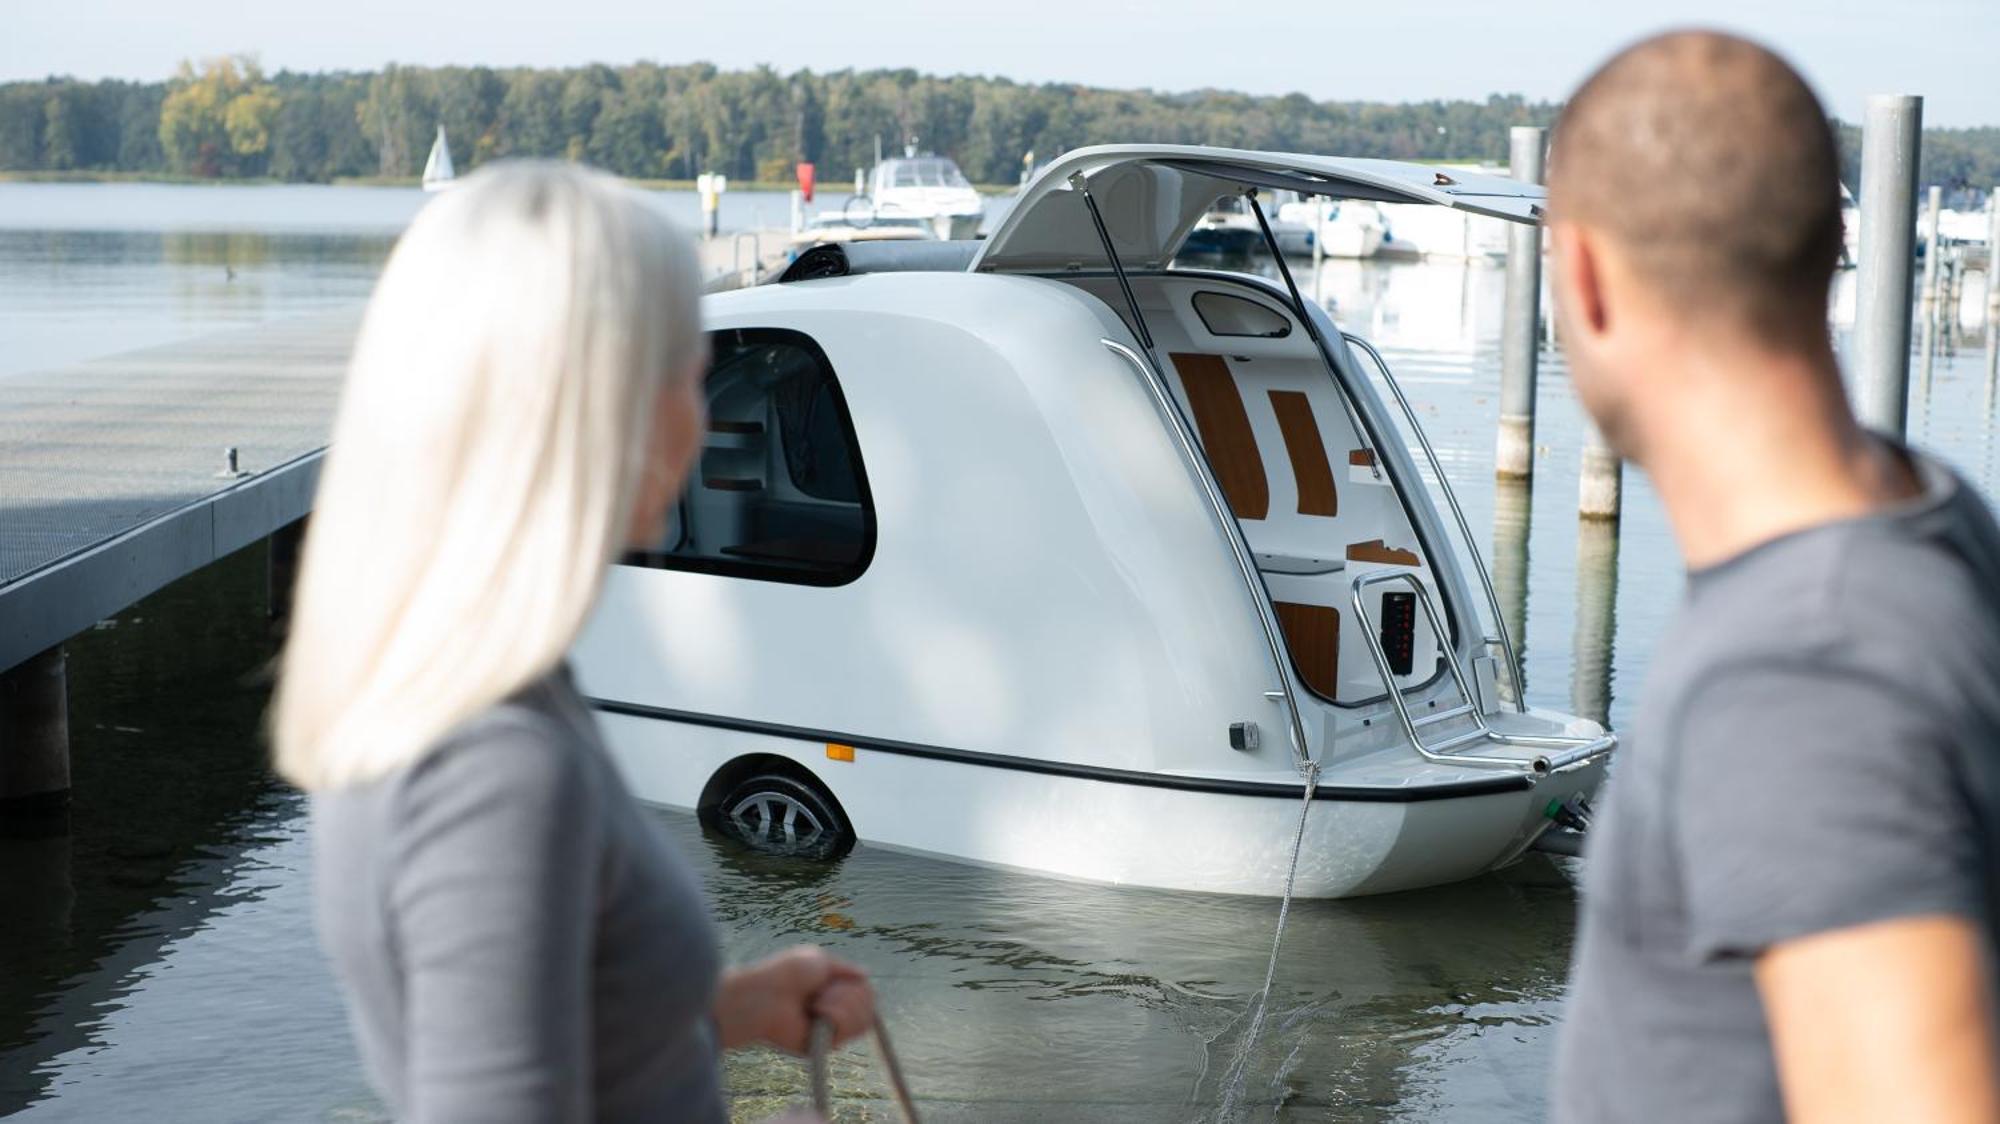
(1073, 583)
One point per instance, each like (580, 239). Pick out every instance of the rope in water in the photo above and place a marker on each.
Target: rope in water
(1233, 1079)
(821, 1046)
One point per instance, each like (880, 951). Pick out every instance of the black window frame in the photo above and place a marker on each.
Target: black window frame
(777, 571)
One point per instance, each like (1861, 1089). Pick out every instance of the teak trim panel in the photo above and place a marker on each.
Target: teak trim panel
(1225, 431)
(1302, 443)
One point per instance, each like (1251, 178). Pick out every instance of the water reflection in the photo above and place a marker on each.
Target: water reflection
(1016, 997)
(172, 812)
(164, 957)
(1513, 514)
(1596, 619)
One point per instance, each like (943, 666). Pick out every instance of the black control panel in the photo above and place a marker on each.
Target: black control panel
(1399, 630)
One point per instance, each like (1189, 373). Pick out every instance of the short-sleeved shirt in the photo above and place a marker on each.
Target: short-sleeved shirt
(1816, 748)
(516, 938)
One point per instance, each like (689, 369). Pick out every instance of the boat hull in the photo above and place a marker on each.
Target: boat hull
(1117, 831)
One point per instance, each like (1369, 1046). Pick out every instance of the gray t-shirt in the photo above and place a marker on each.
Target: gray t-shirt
(516, 940)
(1816, 749)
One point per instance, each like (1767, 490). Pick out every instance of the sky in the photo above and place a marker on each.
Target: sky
(1390, 50)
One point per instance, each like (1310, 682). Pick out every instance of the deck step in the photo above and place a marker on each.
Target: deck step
(1447, 715)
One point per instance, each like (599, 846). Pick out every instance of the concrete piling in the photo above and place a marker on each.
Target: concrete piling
(1601, 478)
(1514, 456)
(34, 747)
(1931, 256)
(1992, 291)
(1889, 146)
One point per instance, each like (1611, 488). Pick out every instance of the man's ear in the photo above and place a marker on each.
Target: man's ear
(1575, 257)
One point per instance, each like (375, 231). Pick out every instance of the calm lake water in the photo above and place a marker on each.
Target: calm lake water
(160, 961)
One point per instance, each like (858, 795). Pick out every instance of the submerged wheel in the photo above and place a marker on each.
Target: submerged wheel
(782, 815)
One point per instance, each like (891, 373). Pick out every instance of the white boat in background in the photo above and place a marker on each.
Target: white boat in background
(1349, 228)
(928, 188)
(1048, 552)
(847, 226)
(1412, 232)
(1229, 228)
(438, 173)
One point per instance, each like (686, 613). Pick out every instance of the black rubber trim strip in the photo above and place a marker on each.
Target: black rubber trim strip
(1362, 794)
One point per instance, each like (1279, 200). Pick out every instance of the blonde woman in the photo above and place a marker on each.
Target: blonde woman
(515, 939)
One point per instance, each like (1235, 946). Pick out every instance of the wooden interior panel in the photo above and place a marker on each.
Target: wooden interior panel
(1302, 443)
(1225, 432)
(1375, 550)
(1312, 632)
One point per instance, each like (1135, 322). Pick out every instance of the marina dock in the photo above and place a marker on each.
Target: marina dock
(123, 474)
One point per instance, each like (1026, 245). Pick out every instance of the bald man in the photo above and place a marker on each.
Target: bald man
(1789, 901)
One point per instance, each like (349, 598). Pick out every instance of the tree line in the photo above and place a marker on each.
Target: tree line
(227, 118)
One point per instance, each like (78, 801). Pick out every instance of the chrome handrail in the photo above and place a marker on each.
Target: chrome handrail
(1457, 515)
(1569, 751)
(1232, 531)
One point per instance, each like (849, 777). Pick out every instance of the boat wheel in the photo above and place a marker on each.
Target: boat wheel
(778, 814)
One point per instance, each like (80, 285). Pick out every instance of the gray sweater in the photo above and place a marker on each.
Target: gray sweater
(515, 938)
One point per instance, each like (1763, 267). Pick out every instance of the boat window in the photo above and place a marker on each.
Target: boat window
(927, 172)
(1225, 315)
(779, 493)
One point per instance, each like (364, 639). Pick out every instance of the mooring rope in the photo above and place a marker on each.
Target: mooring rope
(1234, 1077)
(821, 1047)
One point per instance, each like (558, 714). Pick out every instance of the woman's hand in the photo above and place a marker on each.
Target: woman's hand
(774, 1001)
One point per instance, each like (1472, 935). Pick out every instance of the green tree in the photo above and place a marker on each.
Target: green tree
(217, 121)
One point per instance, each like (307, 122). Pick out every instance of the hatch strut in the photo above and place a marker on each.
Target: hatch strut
(1077, 181)
(1284, 271)
(1197, 462)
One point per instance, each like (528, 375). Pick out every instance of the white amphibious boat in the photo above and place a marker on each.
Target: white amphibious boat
(1038, 552)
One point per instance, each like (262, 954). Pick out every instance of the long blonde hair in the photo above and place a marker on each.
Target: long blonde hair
(484, 462)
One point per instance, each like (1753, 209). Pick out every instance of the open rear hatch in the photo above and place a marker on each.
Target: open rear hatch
(1151, 196)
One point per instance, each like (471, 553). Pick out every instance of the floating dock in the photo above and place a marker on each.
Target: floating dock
(120, 475)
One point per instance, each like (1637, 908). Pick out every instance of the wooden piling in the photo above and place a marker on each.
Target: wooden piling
(1514, 456)
(1889, 149)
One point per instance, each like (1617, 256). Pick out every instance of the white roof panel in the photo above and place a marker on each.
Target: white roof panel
(1152, 195)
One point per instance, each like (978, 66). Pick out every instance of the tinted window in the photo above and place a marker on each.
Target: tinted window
(1224, 315)
(779, 493)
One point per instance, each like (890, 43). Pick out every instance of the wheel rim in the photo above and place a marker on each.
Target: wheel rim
(776, 819)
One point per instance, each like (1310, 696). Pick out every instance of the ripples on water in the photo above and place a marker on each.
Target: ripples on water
(160, 962)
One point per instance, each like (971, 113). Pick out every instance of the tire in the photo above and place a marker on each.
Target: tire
(777, 814)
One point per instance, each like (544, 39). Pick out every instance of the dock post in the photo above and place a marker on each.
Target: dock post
(1520, 331)
(1319, 251)
(1992, 290)
(34, 747)
(1931, 271)
(1992, 254)
(1601, 479)
(1888, 201)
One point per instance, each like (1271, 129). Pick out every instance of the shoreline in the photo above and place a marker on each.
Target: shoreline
(94, 176)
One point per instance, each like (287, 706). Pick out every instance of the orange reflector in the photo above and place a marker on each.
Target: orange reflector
(837, 752)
